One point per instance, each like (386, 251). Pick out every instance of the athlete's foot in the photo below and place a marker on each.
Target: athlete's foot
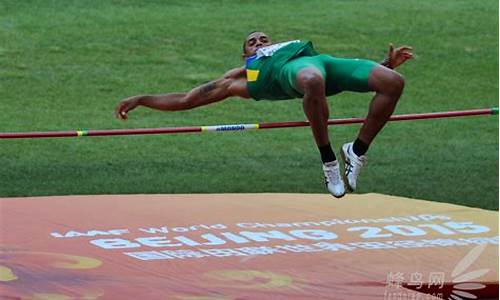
(333, 180)
(353, 165)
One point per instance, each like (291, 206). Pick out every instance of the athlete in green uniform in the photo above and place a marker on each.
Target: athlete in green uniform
(295, 70)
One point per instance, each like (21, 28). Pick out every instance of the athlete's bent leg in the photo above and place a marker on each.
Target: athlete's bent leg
(312, 84)
(388, 86)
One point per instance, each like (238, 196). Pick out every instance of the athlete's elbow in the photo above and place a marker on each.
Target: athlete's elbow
(186, 103)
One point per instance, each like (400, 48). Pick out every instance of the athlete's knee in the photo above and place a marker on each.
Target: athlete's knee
(310, 80)
(397, 83)
(390, 83)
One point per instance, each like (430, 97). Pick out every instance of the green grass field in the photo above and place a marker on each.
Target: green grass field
(65, 65)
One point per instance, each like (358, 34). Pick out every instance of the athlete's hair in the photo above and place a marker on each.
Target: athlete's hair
(245, 41)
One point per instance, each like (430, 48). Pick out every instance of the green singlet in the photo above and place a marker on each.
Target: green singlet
(272, 75)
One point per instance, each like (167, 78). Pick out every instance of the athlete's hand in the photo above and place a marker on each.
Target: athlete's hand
(399, 55)
(122, 109)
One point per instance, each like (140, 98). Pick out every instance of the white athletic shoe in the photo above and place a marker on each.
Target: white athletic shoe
(353, 165)
(333, 180)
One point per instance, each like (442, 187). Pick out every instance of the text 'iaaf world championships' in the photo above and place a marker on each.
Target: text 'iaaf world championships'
(248, 225)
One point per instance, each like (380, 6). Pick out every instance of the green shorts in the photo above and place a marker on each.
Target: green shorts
(340, 74)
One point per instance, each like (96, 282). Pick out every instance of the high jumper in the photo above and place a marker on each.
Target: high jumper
(294, 69)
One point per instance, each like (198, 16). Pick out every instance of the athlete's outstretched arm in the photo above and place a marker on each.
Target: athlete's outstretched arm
(210, 92)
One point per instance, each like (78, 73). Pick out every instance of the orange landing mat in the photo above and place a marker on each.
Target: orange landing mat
(245, 246)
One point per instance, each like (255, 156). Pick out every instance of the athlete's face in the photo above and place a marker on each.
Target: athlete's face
(255, 41)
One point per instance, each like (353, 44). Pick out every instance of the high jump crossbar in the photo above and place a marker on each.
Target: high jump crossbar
(236, 127)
